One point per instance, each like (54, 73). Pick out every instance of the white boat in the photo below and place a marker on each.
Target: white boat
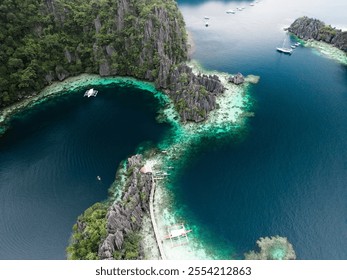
(206, 24)
(297, 44)
(293, 46)
(206, 17)
(91, 92)
(230, 12)
(99, 178)
(285, 50)
(252, 4)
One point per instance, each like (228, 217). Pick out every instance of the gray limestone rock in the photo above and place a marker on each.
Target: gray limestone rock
(97, 24)
(125, 216)
(237, 79)
(61, 73)
(194, 95)
(309, 28)
(104, 69)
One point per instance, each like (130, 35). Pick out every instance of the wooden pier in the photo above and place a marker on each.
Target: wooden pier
(154, 223)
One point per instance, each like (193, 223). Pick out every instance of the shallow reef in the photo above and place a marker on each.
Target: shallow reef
(272, 248)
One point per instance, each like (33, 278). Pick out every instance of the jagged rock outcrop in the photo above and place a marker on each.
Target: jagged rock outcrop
(126, 216)
(143, 39)
(309, 28)
(194, 95)
(63, 38)
(237, 79)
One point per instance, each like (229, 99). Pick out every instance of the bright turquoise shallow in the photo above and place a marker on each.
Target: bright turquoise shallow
(286, 175)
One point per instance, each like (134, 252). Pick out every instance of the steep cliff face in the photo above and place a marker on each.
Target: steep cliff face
(309, 28)
(48, 40)
(111, 231)
(145, 39)
(194, 95)
(124, 218)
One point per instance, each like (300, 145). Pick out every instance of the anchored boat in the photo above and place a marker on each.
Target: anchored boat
(285, 50)
(91, 92)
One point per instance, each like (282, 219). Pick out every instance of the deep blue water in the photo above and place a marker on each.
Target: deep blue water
(288, 175)
(50, 158)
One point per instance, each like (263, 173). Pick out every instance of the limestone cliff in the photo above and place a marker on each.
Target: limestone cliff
(309, 28)
(110, 230)
(194, 95)
(50, 40)
(125, 217)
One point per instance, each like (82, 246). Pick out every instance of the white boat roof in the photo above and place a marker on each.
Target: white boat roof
(177, 232)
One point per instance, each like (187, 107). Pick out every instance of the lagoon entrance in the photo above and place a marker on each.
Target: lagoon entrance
(51, 157)
(283, 172)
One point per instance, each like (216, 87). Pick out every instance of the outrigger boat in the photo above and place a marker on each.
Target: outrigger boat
(285, 50)
(178, 235)
(91, 92)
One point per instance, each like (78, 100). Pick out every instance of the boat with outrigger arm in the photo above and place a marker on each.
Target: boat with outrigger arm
(283, 49)
(178, 235)
(91, 92)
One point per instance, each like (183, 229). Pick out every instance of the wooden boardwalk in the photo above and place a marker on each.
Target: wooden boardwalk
(154, 223)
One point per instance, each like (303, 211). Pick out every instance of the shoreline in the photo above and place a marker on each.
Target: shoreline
(67, 86)
(221, 123)
(227, 119)
(327, 50)
(323, 48)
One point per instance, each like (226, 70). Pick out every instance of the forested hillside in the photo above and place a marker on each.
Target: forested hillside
(46, 40)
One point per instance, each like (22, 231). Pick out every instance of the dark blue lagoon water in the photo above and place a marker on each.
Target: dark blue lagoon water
(50, 158)
(288, 175)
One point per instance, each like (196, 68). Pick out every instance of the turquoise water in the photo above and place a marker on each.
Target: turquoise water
(285, 172)
(288, 174)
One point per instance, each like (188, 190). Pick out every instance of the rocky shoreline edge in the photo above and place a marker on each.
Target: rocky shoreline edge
(327, 40)
(128, 213)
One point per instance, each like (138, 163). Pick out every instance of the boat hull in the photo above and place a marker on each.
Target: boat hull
(285, 51)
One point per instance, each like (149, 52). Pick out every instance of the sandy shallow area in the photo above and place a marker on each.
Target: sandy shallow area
(228, 118)
(327, 50)
(232, 109)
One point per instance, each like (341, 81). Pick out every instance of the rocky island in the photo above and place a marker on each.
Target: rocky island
(313, 29)
(145, 40)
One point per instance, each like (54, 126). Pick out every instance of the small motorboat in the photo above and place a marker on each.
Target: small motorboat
(230, 12)
(98, 178)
